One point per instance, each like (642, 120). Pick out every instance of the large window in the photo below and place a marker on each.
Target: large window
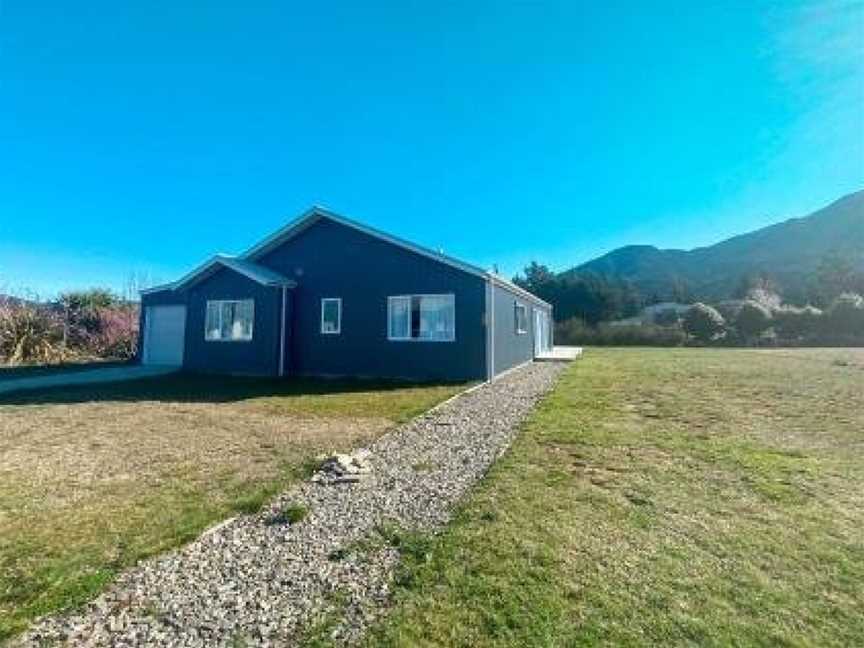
(331, 315)
(521, 315)
(427, 318)
(229, 321)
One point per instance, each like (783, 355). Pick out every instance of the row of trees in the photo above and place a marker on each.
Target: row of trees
(748, 321)
(592, 298)
(596, 298)
(732, 323)
(79, 325)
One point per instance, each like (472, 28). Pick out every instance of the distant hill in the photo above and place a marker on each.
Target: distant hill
(788, 252)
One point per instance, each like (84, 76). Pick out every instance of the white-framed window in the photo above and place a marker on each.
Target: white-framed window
(331, 315)
(521, 318)
(421, 318)
(229, 320)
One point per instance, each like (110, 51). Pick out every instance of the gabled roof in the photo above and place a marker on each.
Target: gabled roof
(312, 216)
(245, 263)
(253, 271)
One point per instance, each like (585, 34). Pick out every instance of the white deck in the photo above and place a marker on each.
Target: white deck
(560, 354)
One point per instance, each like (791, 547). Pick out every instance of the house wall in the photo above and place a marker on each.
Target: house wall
(331, 260)
(258, 356)
(511, 348)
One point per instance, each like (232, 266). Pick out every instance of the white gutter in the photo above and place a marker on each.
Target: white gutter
(282, 333)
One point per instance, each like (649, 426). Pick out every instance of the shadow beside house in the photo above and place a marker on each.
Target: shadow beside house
(185, 387)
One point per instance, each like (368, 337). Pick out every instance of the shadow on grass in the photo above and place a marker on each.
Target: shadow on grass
(32, 371)
(189, 387)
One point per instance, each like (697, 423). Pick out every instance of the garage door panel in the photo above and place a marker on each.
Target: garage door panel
(164, 335)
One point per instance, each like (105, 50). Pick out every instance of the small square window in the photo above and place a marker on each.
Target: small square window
(331, 316)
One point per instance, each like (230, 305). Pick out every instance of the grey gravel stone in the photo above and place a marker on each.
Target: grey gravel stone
(263, 583)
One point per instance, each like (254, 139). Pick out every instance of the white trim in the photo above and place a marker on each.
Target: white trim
(390, 299)
(282, 332)
(220, 302)
(338, 330)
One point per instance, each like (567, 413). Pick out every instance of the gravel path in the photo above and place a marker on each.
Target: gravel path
(255, 582)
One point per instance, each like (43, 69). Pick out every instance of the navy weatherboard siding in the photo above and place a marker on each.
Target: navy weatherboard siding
(331, 260)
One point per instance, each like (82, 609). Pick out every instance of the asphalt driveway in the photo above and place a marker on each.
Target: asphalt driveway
(85, 377)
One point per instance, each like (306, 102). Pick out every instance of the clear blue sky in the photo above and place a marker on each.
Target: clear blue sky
(143, 137)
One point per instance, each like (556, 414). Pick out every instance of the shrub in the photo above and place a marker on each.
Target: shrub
(576, 332)
(753, 319)
(117, 332)
(291, 514)
(846, 316)
(704, 323)
(667, 317)
(80, 326)
(29, 333)
(794, 324)
(730, 308)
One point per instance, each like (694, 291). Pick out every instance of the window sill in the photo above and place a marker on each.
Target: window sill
(389, 339)
(228, 341)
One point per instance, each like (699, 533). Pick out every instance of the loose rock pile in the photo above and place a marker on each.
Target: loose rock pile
(344, 468)
(255, 583)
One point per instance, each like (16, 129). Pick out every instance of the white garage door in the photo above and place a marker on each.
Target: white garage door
(165, 329)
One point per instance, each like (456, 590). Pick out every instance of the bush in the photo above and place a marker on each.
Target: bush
(576, 332)
(730, 308)
(704, 323)
(117, 332)
(846, 316)
(80, 326)
(667, 317)
(753, 320)
(29, 333)
(794, 324)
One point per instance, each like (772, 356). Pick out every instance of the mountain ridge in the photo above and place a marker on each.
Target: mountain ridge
(789, 252)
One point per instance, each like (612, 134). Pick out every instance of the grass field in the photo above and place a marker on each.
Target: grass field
(94, 478)
(661, 497)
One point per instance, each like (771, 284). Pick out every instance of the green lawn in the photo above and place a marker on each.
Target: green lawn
(96, 477)
(661, 497)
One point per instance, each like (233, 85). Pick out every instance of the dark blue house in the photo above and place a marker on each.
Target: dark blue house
(326, 296)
